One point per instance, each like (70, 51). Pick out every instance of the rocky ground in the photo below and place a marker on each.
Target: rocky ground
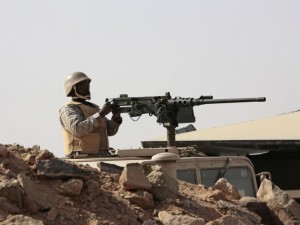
(38, 188)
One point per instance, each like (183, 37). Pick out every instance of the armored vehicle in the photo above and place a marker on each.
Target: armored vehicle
(183, 164)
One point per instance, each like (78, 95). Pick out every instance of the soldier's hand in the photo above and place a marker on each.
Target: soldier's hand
(116, 114)
(117, 117)
(106, 108)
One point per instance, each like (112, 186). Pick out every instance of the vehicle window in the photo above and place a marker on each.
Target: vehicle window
(187, 175)
(240, 177)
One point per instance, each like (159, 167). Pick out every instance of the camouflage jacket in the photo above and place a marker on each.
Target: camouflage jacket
(73, 120)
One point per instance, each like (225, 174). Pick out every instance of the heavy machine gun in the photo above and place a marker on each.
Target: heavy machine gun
(169, 111)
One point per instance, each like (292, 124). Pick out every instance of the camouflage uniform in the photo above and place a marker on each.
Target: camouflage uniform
(78, 126)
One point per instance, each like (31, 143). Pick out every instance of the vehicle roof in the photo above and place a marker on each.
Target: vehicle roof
(123, 161)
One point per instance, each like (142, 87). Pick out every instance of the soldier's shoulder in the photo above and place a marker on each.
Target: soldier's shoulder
(69, 106)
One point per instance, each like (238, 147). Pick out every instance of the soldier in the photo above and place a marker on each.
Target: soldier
(85, 127)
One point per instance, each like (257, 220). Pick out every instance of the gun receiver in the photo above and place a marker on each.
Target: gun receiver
(169, 111)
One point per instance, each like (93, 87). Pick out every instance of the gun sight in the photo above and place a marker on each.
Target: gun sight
(206, 97)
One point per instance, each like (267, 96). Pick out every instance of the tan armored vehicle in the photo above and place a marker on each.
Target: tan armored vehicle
(183, 164)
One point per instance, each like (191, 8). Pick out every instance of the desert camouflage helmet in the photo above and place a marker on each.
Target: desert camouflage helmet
(73, 79)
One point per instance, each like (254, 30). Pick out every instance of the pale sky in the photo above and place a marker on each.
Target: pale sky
(189, 48)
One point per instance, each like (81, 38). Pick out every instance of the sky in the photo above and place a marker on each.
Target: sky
(228, 49)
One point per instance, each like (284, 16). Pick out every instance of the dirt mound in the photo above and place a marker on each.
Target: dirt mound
(38, 188)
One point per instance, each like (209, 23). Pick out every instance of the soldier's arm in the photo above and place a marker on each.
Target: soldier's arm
(72, 119)
(113, 125)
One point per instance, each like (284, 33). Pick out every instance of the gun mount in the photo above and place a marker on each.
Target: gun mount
(169, 111)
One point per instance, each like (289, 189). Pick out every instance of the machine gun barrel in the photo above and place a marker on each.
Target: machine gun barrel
(203, 101)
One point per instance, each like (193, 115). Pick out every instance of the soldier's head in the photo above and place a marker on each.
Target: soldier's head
(77, 85)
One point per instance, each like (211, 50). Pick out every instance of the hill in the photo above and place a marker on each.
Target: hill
(38, 188)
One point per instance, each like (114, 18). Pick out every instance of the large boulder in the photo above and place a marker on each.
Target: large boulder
(232, 209)
(163, 186)
(285, 208)
(58, 168)
(228, 190)
(259, 207)
(142, 199)
(133, 178)
(11, 190)
(35, 194)
(71, 187)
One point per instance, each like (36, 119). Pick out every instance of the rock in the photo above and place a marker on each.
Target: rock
(22, 220)
(169, 219)
(30, 159)
(142, 199)
(37, 154)
(71, 187)
(109, 168)
(4, 163)
(133, 178)
(44, 154)
(36, 148)
(144, 215)
(149, 222)
(52, 214)
(35, 193)
(265, 191)
(57, 168)
(3, 151)
(276, 199)
(93, 188)
(230, 191)
(14, 147)
(163, 186)
(229, 208)
(8, 207)
(29, 205)
(11, 190)
(259, 207)
(294, 208)
(217, 195)
(231, 220)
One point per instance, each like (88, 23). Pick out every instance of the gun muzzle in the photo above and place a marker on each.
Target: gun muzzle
(261, 99)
